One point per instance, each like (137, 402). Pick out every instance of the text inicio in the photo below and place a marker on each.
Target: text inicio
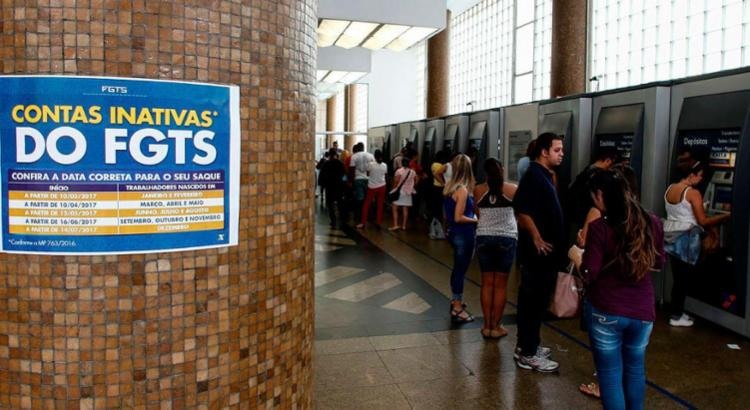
(147, 146)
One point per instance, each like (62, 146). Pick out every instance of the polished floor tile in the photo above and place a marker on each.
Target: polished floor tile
(410, 303)
(350, 370)
(420, 360)
(387, 397)
(333, 274)
(366, 288)
(403, 341)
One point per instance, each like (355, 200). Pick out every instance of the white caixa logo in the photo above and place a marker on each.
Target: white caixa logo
(114, 89)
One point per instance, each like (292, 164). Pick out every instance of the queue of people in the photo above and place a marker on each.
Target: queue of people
(618, 245)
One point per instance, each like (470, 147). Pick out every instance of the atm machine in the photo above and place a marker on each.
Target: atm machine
(375, 138)
(519, 127)
(635, 121)
(570, 117)
(711, 122)
(410, 132)
(381, 138)
(484, 139)
(456, 133)
(433, 135)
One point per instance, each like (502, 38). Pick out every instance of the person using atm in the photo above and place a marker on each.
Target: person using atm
(686, 221)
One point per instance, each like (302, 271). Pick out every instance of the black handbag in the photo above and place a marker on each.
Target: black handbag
(395, 194)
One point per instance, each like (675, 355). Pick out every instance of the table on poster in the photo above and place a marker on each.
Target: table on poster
(89, 208)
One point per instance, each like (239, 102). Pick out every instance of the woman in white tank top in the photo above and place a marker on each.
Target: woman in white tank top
(685, 217)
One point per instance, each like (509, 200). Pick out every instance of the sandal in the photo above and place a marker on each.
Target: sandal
(461, 316)
(394, 228)
(590, 389)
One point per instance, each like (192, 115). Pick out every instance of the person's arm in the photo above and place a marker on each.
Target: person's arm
(695, 199)
(509, 190)
(526, 223)
(591, 216)
(396, 180)
(460, 197)
(479, 192)
(593, 258)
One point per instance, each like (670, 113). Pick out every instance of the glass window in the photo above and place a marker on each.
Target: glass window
(421, 50)
(483, 41)
(637, 41)
(339, 122)
(361, 101)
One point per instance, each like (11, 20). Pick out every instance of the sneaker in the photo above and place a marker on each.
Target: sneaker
(538, 363)
(682, 321)
(541, 351)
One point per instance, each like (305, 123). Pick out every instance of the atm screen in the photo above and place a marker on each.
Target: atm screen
(722, 199)
(622, 142)
(718, 148)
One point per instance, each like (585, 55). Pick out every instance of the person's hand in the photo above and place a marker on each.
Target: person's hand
(542, 247)
(576, 256)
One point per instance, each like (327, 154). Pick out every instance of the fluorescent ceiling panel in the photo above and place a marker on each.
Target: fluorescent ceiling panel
(335, 76)
(384, 35)
(329, 31)
(355, 34)
(410, 37)
(321, 74)
(352, 76)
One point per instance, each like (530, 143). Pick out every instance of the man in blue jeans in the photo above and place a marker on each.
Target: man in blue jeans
(541, 250)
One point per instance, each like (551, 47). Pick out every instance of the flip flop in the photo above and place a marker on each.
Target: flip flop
(590, 389)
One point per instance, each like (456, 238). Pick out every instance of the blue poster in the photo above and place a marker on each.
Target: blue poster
(95, 165)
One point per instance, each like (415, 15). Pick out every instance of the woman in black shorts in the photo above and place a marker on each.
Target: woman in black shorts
(497, 234)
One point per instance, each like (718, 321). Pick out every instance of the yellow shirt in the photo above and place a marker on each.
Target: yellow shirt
(436, 168)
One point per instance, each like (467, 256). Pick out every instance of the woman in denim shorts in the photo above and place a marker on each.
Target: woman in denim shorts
(497, 234)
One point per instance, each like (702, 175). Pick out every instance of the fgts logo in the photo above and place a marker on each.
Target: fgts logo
(114, 89)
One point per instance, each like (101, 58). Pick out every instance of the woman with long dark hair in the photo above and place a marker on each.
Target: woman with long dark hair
(686, 220)
(623, 247)
(497, 236)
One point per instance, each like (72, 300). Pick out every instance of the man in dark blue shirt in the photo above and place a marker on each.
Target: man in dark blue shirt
(541, 249)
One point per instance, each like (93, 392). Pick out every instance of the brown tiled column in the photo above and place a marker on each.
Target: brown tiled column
(438, 70)
(351, 116)
(569, 19)
(330, 119)
(217, 328)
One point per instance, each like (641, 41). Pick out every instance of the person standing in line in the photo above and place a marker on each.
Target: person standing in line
(541, 250)
(462, 224)
(623, 248)
(497, 235)
(358, 173)
(332, 176)
(375, 189)
(523, 163)
(579, 201)
(686, 220)
(406, 190)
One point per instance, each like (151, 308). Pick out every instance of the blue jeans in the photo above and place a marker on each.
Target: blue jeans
(619, 347)
(463, 251)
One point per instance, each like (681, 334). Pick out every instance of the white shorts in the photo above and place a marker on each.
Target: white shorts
(403, 200)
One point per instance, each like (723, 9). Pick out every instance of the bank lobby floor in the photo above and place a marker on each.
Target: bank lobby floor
(384, 340)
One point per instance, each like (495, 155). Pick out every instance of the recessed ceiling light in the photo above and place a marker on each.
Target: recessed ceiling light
(384, 35)
(329, 31)
(410, 37)
(355, 34)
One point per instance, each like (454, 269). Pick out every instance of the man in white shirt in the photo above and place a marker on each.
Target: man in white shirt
(358, 173)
